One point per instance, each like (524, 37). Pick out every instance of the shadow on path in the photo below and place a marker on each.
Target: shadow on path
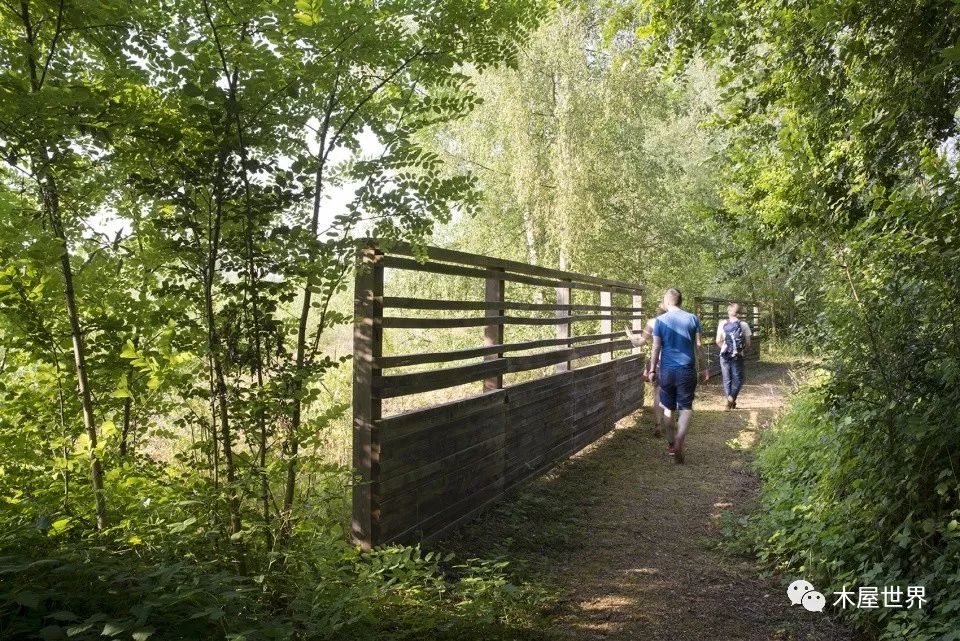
(631, 538)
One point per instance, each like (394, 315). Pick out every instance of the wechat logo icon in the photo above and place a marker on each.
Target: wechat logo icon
(803, 593)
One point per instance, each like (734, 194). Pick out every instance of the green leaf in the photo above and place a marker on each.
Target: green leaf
(951, 54)
(144, 633)
(180, 59)
(59, 526)
(112, 629)
(129, 351)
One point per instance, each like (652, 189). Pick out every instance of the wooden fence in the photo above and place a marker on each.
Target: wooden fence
(713, 310)
(424, 471)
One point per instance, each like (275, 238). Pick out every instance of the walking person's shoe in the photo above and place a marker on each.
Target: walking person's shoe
(731, 403)
(671, 449)
(678, 452)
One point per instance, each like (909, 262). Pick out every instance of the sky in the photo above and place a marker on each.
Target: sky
(334, 201)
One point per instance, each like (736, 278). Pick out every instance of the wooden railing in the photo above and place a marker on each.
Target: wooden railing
(714, 310)
(426, 470)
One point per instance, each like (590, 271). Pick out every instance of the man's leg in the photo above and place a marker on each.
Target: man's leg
(736, 376)
(686, 386)
(683, 422)
(726, 372)
(669, 425)
(657, 412)
(668, 403)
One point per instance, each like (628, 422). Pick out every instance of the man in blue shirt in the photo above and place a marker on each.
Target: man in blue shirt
(676, 352)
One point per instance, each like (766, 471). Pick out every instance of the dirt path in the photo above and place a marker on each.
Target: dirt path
(632, 538)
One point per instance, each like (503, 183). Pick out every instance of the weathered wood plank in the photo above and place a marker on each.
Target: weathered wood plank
(606, 324)
(402, 474)
(534, 361)
(405, 360)
(564, 328)
(447, 269)
(394, 302)
(405, 384)
(638, 323)
(433, 468)
(367, 345)
(418, 419)
(493, 333)
(402, 322)
(476, 260)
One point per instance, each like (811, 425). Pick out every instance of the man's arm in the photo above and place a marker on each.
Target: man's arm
(640, 338)
(747, 334)
(702, 358)
(719, 340)
(655, 354)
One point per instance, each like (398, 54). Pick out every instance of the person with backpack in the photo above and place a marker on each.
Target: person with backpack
(733, 339)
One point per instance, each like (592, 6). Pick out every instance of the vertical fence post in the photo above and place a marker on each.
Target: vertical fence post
(606, 324)
(563, 329)
(493, 333)
(637, 323)
(367, 350)
(755, 326)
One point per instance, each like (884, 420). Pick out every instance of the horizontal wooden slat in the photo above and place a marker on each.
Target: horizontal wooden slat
(404, 360)
(524, 363)
(413, 421)
(404, 384)
(724, 302)
(414, 462)
(433, 267)
(392, 302)
(394, 322)
(488, 262)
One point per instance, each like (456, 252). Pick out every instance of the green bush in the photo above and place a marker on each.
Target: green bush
(842, 507)
(55, 585)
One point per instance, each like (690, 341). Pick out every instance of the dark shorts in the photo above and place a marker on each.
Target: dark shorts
(677, 385)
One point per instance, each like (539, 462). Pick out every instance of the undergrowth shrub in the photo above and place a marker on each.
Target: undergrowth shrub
(843, 506)
(168, 574)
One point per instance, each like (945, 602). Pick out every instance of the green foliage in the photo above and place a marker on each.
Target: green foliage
(335, 592)
(838, 519)
(587, 159)
(842, 166)
(168, 258)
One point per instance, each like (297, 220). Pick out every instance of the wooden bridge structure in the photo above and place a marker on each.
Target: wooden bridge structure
(495, 412)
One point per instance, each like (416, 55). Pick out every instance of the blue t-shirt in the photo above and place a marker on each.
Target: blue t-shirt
(677, 331)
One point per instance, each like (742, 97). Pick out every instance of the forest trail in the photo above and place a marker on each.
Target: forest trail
(631, 538)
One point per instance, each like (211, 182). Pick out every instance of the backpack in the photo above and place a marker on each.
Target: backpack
(732, 340)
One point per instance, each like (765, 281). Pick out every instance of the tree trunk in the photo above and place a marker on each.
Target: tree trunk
(50, 197)
(292, 445)
(215, 347)
(51, 204)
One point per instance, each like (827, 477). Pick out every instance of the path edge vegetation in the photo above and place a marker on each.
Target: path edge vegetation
(842, 159)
